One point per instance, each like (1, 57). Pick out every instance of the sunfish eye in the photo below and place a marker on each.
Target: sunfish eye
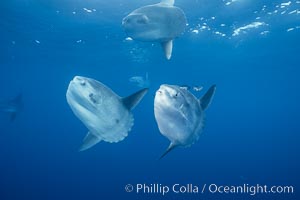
(176, 94)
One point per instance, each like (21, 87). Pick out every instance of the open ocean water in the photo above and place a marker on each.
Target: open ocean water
(249, 49)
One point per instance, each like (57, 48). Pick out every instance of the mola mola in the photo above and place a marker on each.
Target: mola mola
(12, 107)
(107, 116)
(160, 22)
(180, 115)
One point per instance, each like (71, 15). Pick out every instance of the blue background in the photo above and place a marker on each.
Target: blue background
(251, 132)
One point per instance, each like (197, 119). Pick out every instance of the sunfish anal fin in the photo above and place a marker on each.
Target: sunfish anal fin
(131, 101)
(167, 47)
(170, 148)
(168, 2)
(89, 141)
(206, 99)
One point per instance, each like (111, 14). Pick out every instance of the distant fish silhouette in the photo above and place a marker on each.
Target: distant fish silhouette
(140, 81)
(194, 88)
(12, 107)
(197, 88)
(185, 87)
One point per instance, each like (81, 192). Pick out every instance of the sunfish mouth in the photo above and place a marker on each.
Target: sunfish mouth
(159, 92)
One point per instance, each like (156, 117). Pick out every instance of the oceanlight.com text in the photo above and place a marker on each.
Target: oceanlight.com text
(250, 189)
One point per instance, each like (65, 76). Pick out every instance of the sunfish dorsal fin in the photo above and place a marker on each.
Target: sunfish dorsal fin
(206, 99)
(89, 141)
(170, 148)
(167, 47)
(131, 101)
(168, 2)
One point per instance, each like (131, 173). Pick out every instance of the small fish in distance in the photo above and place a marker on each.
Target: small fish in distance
(12, 107)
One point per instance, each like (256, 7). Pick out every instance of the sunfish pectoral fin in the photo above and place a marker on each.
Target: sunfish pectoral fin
(206, 99)
(89, 141)
(168, 2)
(170, 148)
(167, 47)
(131, 101)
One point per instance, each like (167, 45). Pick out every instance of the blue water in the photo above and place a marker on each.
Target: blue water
(251, 133)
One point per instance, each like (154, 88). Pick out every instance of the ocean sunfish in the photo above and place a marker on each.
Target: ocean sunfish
(180, 115)
(107, 116)
(12, 106)
(160, 22)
